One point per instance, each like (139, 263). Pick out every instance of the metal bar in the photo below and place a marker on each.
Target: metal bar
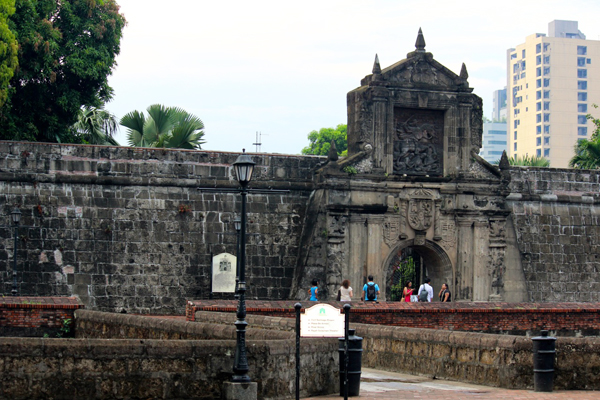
(298, 306)
(346, 327)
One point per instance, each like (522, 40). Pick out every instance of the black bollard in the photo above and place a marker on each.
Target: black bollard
(354, 363)
(544, 351)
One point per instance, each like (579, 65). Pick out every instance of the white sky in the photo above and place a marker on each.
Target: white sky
(283, 68)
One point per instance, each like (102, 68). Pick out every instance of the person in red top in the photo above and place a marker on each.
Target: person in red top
(408, 291)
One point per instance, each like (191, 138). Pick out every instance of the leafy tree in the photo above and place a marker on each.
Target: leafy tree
(96, 126)
(170, 127)
(587, 152)
(67, 50)
(8, 48)
(320, 141)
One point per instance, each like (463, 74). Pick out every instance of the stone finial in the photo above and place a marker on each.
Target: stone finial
(504, 164)
(376, 66)
(463, 72)
(332, 155)
(420, 43)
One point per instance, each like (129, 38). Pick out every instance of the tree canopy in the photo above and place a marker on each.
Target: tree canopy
(320, 141)
(169, 127)
(587, 152)
(8, 48)
(67, 50)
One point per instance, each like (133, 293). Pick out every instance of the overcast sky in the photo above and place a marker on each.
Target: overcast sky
(283, 68)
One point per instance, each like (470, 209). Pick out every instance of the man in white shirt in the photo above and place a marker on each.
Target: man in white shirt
(426, 287)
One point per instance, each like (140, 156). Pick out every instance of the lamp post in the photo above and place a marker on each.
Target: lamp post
(16, 219)
(244, 166)
(237, 224)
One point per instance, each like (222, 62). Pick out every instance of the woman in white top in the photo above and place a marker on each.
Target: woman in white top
(346, 291)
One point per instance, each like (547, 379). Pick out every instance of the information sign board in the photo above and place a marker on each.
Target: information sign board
(322, 320)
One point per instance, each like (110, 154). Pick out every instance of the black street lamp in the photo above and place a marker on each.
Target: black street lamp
(244, 166)
(16, 219)
(237, 224)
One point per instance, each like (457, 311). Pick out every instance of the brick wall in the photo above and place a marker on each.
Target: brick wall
(36, 316)
(563, 319)
(127, 229)
(557, 225)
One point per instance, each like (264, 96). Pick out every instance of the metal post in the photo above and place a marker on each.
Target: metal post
(237, 258)
(14, 272)
(240, 368)
(298, 306)
(346, 327)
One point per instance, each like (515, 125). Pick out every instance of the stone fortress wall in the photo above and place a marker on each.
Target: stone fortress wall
(127, 229)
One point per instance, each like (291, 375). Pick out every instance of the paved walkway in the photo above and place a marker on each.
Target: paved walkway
(388, 385)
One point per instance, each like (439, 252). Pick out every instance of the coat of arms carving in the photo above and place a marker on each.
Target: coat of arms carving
(420, 210)
(391, 230)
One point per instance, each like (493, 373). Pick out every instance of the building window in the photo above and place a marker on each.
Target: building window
(538, 106)
(582, 96)
(523, 52)
(546, 129)
(538, 71)
(581, 50)
(546, 46)
(502, 142)
(582, 85)
(581, 120)
(523, 65)
(538, 48)
(515, 135)
(515, 147)
(546, 59)
(589, 60)
(546, 105)
(490, 132)
(538, 60)
(546, 70)
(538, 95)
(581, 61)
(538, 141)
(538, 118)
(546, 94)
(581, 107)
(582, 73)
(582, 131)
(546, 117)
(546, 152)
(546, 141)
(516, 67)
(538, 152)
(538, 83)
(546, 82)
(513, 56)
(538, 129)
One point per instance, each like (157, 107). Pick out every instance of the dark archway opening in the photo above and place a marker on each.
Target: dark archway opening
(410, 262)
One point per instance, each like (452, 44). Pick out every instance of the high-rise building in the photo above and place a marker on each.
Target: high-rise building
(552, 82)
(499, 103)
(493, 141)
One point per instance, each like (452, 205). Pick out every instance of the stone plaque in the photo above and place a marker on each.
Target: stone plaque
(418, 142)
(223, 273)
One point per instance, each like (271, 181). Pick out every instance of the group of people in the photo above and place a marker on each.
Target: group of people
(425, 292)
(371, 292)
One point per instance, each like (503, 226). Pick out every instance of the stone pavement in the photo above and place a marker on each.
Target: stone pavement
(388, 385)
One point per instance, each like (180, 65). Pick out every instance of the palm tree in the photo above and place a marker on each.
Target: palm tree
(527, 161)
(587, 155)
(95, 125)
(169, 127)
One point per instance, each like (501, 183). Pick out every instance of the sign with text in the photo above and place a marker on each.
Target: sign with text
(223, 273)
(322, 320)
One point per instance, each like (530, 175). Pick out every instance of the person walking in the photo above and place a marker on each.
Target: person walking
(314, 290)
(425, 292)
(346, 291)
(370, 290)
(407, 292)
(445, 295)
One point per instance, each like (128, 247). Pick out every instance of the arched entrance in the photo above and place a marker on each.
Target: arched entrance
(408, 261)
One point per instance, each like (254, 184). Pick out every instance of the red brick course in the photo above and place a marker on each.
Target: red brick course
(36, 312)
(492, 317)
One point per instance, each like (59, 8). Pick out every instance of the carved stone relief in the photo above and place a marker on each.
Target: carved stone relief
(391, 230)
(496, 268)
(366, 122)
(448, 233)
(418, 141)
(420, 210)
